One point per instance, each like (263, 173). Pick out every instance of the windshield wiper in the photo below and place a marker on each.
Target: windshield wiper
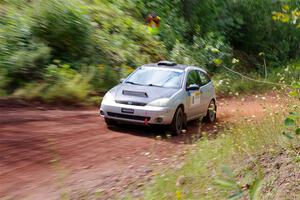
(154, 85)
(133, 83)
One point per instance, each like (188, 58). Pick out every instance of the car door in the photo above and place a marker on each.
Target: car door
(205, 91)
(193, 97)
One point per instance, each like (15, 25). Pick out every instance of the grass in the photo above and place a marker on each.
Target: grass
(230, 166)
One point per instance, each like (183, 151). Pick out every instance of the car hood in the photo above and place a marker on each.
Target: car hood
(142, 94)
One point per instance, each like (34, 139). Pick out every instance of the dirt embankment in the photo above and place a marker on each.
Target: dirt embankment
(49, 153)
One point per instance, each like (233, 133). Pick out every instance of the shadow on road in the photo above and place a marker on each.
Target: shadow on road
(193, 133)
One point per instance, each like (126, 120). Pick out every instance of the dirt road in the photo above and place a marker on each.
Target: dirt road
(53, 153)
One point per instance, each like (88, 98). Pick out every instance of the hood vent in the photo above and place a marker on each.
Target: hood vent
(135, 93)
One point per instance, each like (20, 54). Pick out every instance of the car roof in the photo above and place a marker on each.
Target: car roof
(173, 66)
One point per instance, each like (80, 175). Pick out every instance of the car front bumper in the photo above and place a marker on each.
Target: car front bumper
(141, 114)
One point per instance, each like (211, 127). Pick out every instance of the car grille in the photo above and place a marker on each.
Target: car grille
(132, 103)
(134, 117)
(135, 93)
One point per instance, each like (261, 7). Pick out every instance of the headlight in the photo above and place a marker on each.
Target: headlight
(159, 102)
(108, 98)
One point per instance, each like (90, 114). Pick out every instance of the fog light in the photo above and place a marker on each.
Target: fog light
(159, 120)
(101, 112)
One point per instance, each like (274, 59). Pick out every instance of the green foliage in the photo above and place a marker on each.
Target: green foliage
(22, 57)
(123, 39)
(4, 81)
(111, 37)
(229, 84)
(103, 35)
(288, 15)
(68, 86)
(64, 26)
(173, 25)
(246, 24)
(28, 63)
(229, 182)
(204, 52)
(297, 131)
(292, 125)
(255, 188)
(249, 26)
(62, 84)
(104, 78)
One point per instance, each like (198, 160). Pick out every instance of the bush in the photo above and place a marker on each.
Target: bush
(182, 53)
(80, 33)
(247, 25)
(123, 39)
(204, 52)
(28, 63)
(62, 84)
(104, 78)
(23, 57)
(64, 26)
(4, 81)
(111, 37)
(173, 25)
(229, 84)
(66, 84)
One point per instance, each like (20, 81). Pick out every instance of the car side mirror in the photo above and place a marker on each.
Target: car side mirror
(193, 87)
(122, 80)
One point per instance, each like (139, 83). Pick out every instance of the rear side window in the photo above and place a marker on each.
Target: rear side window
(203, 78)
(193, 78)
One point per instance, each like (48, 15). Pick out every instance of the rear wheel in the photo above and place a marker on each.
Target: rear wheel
(110, 122)
(211, 112)
(178, 121)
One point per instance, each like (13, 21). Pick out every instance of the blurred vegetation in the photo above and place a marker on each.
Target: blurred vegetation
(47, 47)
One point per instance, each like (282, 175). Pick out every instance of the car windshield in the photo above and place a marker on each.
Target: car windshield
(156, 77)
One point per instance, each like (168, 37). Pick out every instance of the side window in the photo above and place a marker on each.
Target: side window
(193, 78)
(204, 78)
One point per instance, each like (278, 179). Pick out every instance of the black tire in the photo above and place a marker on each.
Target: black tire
(184, 122)
(211, 114)
(177, 122)
(110, 122)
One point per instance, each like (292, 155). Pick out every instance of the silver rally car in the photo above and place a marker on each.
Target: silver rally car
(163, 93)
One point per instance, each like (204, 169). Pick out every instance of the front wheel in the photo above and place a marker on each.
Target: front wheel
(211, 112)
(178, 121)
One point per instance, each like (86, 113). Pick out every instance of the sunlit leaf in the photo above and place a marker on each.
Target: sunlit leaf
(289, 122)
(255, 189)
(215, 50)
(261, 54)
(217, 61)
(293, 93)
(235, 61)
(286, 7)
(285, 18)
(227, 184)
(297, 131)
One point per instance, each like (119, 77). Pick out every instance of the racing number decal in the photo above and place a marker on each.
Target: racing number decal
(194, 98)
